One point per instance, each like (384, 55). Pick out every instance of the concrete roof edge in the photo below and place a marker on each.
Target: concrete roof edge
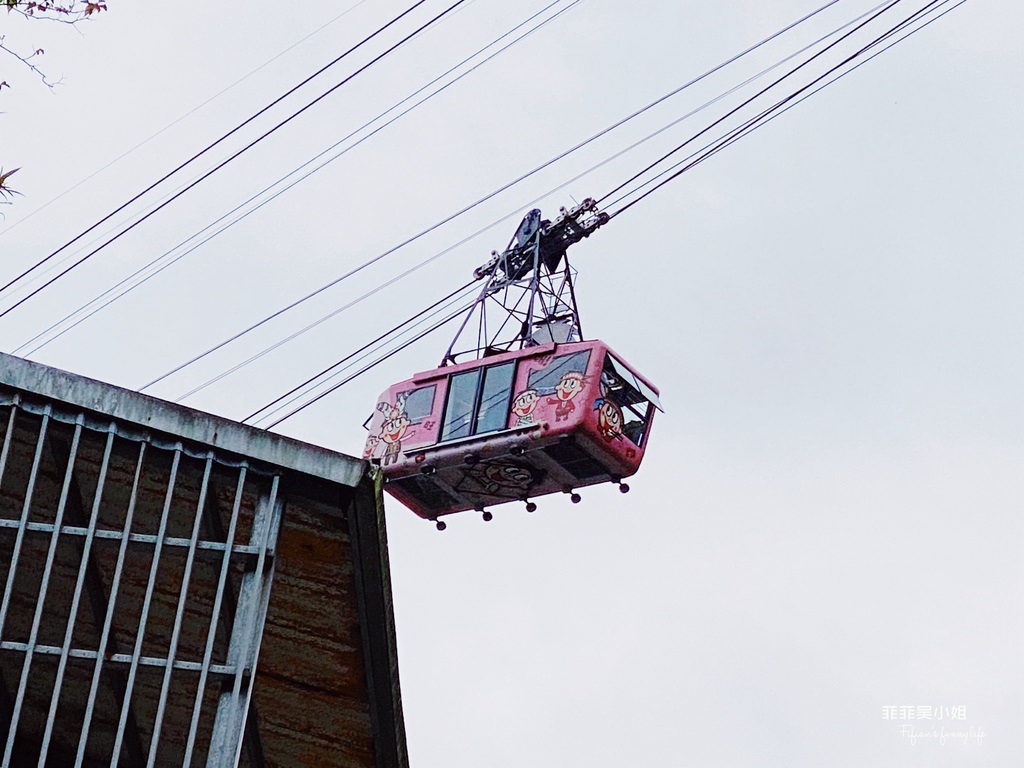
(178, 420)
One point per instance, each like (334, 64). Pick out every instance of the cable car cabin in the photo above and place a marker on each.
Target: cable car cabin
(512, 426)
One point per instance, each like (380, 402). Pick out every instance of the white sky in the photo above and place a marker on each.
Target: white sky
(828, 520)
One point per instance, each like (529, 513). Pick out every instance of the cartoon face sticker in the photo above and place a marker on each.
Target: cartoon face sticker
(523, 407)
(393, 429)
(394, 426)
(370, 447)
(609, 420)
(504, 478)
(507, 477)
(570, 385)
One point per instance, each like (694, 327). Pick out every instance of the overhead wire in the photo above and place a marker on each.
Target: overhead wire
(784, 105)
(333, 313)
(320, 321)
(887, 6)
(717, 145)
(274, 406)
(149, 209)
(434, 257)
(487, 197)
(223, 163)
(168, 197)
(112, 294)
(210, 146)
(366, 368)
(776, 110)
(192, 111)
(748, 126)
(696, 110)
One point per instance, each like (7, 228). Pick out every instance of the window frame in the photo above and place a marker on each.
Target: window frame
(617, 368)
(441, 437)
(481, 373)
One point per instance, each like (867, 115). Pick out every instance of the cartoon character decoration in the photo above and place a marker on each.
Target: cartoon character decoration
(506, 478)
(396, 424)
(570, 385)
(609, 414)
(523, 407)
(609, 419)
(371, 446)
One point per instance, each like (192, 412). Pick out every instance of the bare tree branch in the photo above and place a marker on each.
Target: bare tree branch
(69, 12)
(27, 61)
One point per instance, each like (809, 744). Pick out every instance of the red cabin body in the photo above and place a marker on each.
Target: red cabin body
(512, 426)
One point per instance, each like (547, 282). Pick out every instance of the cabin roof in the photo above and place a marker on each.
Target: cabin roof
(541, 349)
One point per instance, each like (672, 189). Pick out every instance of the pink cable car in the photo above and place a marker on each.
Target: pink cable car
(537, 414)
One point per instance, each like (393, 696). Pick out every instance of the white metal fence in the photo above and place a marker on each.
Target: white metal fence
(136, 575)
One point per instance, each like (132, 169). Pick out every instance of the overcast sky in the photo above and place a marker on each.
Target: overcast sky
(828, 521)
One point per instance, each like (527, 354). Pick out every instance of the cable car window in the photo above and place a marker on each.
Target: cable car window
(458, 413)
(493, 411)
(418, 403)
(546, 379)
(623, 410)
(627, 375)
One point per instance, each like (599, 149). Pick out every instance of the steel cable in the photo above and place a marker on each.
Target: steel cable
(746, 102)
(113, 293)
(329, 372)
(770, 113)
(366, 368)
(208, 147)
(782, 106)
(485, 198)
(219, 165)
(192, 111)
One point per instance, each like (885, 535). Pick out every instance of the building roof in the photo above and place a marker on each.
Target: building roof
(185, 545)
(159, 415)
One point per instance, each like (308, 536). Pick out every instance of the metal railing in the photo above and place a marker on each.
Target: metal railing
(137, 578)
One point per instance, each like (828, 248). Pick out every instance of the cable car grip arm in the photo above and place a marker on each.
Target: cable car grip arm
(551, 238)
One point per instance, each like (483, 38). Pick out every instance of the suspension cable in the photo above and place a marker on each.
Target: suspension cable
(731, 112)
(230, 158)
(328, 372)
(192, 111)
(208, 147)
(319, 321)
(113, 293)
(487, 197)
(366, 368)
(892, 34)
(782, 106)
